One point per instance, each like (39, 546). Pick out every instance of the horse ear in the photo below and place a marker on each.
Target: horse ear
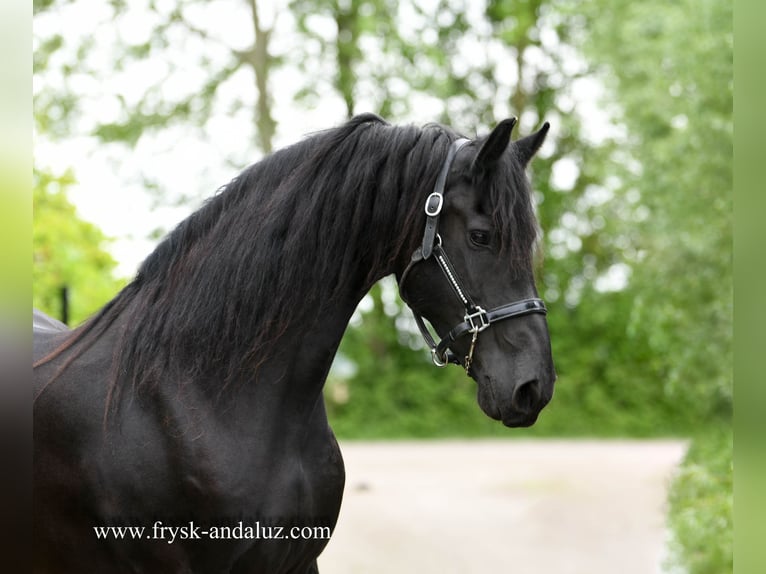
(527, 146)
(494, 146)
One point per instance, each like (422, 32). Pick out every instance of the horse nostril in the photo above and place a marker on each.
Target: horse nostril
(526, 396)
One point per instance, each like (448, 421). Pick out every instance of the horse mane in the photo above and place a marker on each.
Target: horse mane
(281, 242)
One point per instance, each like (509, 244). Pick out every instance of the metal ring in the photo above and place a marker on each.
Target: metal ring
(437, 360)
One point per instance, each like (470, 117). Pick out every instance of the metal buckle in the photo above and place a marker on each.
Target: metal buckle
(439, 203)
(481, 314)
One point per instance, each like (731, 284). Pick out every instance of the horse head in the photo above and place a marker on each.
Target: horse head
(472, 275)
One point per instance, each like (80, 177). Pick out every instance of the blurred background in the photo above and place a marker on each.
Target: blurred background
(143, 108)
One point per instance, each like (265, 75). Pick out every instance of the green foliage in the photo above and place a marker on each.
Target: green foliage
(701, 504)
(670, 66)
(609, 385)
(679, 113)
(67, 251)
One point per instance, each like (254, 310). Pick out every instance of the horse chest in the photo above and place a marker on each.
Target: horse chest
(270, 482)
(232, 471)
(244, 499)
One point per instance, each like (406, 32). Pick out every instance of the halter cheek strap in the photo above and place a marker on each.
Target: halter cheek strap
(435, 201)
(476, 319)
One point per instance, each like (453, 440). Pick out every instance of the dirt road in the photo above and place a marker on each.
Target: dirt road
(464, 507)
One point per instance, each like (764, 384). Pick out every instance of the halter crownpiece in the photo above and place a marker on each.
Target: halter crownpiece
(476, 319)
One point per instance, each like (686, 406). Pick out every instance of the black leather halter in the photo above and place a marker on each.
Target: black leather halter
(476, 319)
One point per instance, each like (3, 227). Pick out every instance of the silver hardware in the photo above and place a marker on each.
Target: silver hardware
(438, 209)
(480, 314)
(438, 361)
(469, 356)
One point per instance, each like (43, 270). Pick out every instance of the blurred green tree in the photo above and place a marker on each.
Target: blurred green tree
(67, 252)
(670, 69)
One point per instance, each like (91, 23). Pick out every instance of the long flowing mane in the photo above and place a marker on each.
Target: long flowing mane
(280, 243)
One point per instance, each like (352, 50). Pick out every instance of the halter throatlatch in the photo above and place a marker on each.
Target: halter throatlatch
(476, 319)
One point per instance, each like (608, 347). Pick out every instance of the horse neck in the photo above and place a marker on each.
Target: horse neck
(254, 287)
(284, 393)
(301, 359)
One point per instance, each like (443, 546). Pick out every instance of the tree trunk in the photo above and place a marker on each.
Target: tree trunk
(260, 61)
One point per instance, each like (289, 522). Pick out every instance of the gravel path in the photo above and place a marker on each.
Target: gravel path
(532, 506)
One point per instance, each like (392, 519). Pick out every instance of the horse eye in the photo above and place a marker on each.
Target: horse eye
(480, 238)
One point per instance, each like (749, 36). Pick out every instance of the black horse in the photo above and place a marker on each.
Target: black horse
(190, 407)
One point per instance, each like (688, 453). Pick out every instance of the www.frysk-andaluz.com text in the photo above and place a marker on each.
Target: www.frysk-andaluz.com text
(192, 531)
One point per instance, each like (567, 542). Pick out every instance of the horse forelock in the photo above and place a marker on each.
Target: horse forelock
(511, 208)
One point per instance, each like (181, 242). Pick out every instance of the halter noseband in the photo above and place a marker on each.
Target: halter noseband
(476, 319)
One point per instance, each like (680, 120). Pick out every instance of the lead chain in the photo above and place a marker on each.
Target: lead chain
(469, 356)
